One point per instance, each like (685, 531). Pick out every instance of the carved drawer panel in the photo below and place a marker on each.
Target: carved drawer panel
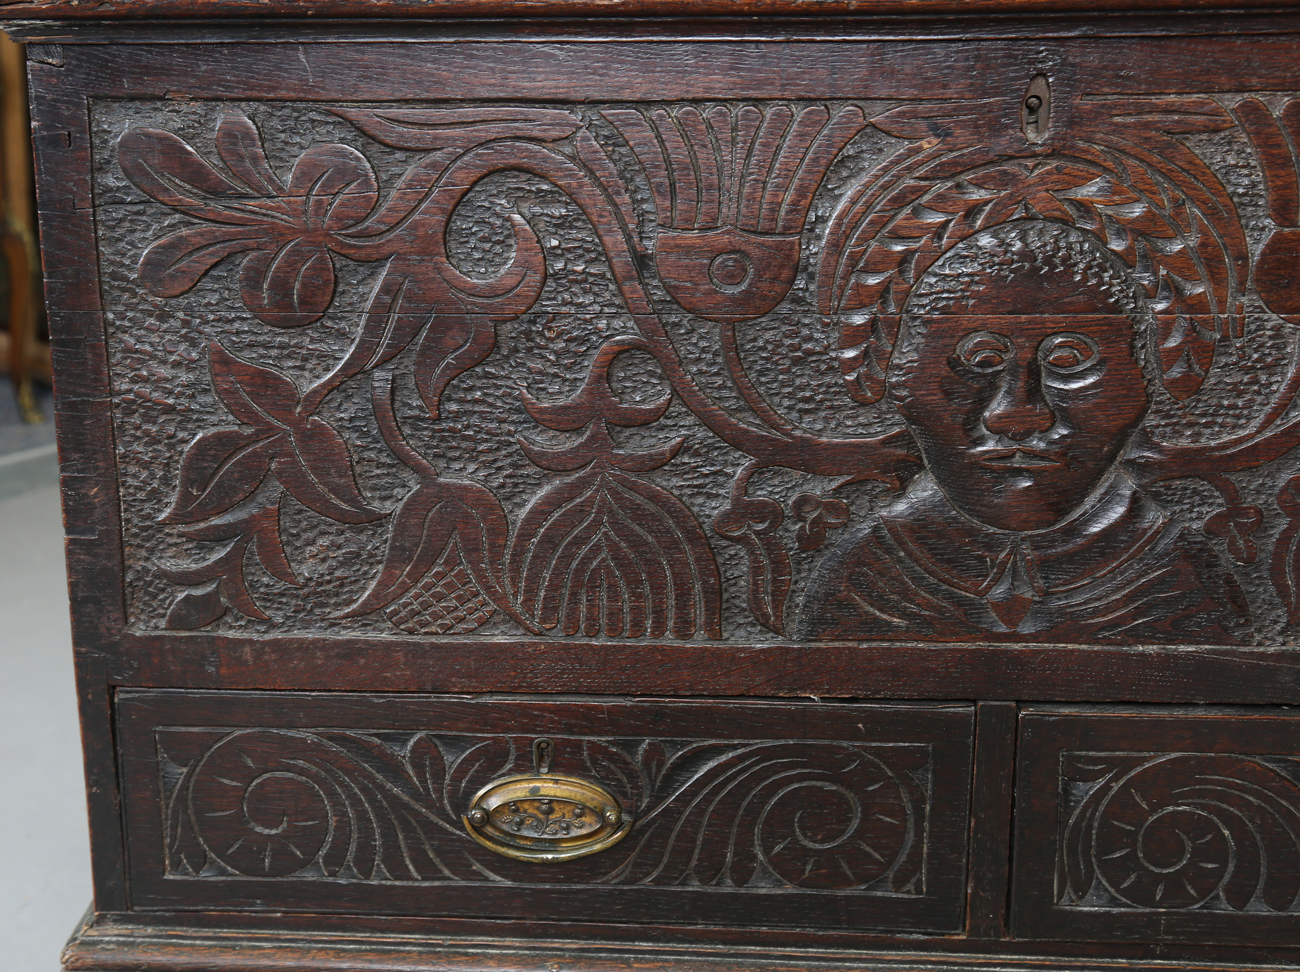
(752, 813)
(1158, 825)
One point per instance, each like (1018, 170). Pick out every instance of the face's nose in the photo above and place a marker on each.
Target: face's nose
(1018, 408)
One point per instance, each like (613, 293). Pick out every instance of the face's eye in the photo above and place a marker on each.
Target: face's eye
(1068, 352)
(983, 351)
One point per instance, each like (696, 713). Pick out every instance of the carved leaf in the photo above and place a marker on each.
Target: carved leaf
(234, 589)
(165, 167)
(196, 608)
(752, 522)
(319, 474)
(219, 469)
(270, 548)
(450, 347)
(226, 572)
(258, 529)
(174, 264)
(422, 129)
(427, 767)
(312, 461)
(335, 187)
(402, 304)
(240, 148)
(256, 395)
(652, 757)
(263, 529)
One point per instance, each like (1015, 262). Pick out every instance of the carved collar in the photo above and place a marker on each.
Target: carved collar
(1010, 570)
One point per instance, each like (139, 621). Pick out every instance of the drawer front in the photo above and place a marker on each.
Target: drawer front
(749, 813)
(1158, 827)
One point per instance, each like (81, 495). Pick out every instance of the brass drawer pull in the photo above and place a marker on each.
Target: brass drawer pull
(545, 817)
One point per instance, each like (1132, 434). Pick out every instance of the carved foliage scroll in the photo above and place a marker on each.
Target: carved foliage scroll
(1179, 832)
(709, 225)
(330, 804)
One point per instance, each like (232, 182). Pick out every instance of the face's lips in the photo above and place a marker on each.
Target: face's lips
(1017, 459)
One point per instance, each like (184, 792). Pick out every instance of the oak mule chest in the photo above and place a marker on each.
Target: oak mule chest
(798, 486)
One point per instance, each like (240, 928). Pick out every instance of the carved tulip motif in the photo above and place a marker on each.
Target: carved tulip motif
(707, 205)
(732, 187)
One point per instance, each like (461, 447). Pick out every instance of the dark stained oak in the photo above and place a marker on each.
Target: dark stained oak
(856, 822)
(991, 796)
(1016, 487)
(1157, 825)
(425, 9)
(736, 429)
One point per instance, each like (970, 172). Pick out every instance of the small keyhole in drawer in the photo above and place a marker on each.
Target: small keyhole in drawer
(1036, 109)
(543, 753)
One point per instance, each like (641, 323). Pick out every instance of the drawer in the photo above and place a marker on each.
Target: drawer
(1158, 826)
(809, 815)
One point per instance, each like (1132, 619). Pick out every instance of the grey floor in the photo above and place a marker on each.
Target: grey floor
(45, 881)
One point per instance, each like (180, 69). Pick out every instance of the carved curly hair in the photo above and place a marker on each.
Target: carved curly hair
(996, 256)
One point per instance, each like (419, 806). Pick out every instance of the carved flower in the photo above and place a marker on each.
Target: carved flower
(732, 188)
(223, 466)
(288, 231)
(608, 554)
(817, 514)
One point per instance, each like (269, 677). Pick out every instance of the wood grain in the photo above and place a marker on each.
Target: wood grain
(1126, 820)
(729, 803)
(394, 9)
(570, 363)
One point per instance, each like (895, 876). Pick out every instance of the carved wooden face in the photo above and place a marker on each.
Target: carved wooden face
(1023, 395)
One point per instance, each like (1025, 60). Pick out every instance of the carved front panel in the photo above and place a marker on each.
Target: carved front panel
(1191, 829)
(999, 370)
(287, 799)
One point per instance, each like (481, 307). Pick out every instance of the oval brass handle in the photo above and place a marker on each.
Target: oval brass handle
(545, 818)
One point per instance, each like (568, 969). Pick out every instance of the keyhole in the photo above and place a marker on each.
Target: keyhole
(1035, 109)
(543, 753)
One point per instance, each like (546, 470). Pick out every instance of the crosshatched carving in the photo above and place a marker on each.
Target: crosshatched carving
(708, 370)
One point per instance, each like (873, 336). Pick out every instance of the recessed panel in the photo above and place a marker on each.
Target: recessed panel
(749, 813)
(1158, 826)
(1006, 369)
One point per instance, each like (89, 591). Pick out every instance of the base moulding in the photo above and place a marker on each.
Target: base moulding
(100, 945)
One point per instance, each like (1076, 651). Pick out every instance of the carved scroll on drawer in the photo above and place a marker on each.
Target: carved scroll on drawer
(1170, 825)
(716, 801)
